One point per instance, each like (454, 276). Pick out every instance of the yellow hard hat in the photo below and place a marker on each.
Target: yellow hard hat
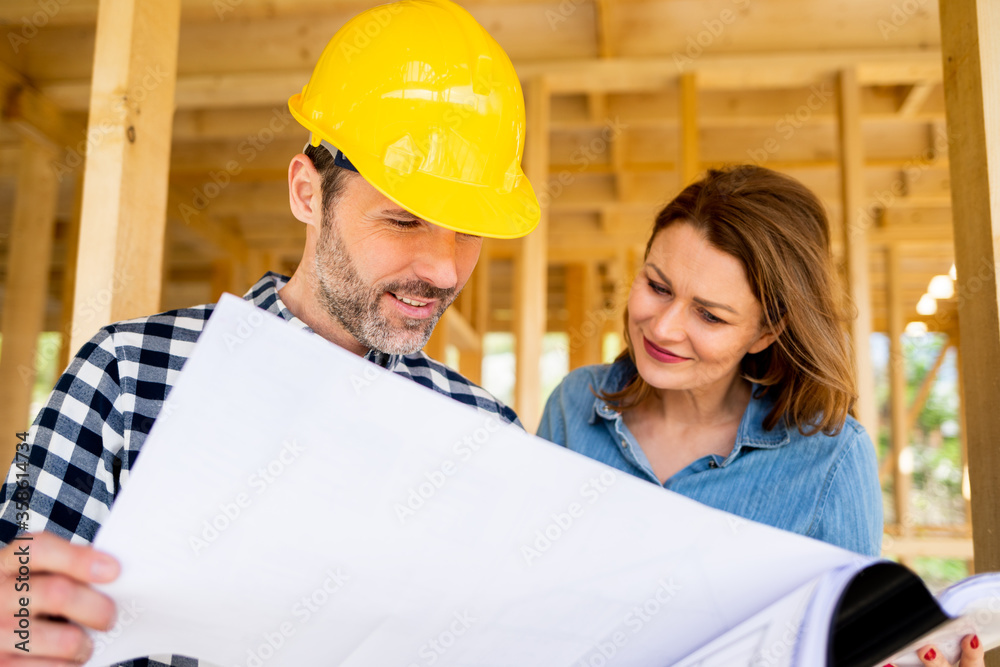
(428, 108)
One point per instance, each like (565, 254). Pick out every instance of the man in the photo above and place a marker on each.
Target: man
(414, 156)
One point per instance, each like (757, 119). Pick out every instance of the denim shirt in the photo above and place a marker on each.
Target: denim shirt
(825, 487)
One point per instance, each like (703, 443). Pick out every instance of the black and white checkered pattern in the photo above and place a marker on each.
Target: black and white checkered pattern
(87, 437)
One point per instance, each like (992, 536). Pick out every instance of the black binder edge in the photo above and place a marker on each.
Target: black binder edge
(883, 609)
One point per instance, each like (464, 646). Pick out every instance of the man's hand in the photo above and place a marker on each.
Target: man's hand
(46, 598)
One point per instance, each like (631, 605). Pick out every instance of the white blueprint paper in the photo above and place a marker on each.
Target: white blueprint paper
(296, 505)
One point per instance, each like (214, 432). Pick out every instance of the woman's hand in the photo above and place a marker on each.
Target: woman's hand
(972, 654)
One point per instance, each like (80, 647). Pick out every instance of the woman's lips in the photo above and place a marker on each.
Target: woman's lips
(660, 354)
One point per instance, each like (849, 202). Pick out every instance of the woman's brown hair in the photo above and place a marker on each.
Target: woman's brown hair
(778, 230)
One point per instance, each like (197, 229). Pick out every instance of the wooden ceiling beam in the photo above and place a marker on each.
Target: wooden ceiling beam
(715, 72)
(189, 223)
(710, 119)
(915, 98)
(933, 234)
(586, 196)
(216, 91)
(32, 113)
(84, 12)
(737, 72)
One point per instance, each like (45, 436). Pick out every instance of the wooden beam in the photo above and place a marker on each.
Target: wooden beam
(715, 72)
(899, 432)
(26, 293)
(69, 274)
(460, 332)
(531, 264)
(239, 125)
(125, 181)
(33, 114)
(437, 345)
(225, 278)
(470, 361)
(963, 437)
(244, 89)
(84, 12)
(597, 110)
(935, 234)
(855, 240)
(930, 547)
(602, 28)
(212, 225)
(915, 98)
(259, 261)
(736, 109)
(690, 152)
(924, 391)
(584, 303)
(737, 72)
(971, 56)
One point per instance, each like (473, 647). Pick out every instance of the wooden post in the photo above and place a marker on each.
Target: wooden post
(258, 263)
(69, 275)
(602, 27)
(964, 445)
(475, 308)
(586, 316)
(27, 288)
(437, 346)
(119, 271)
(855, 237)
(897, 394)
(470, 364)
(224, 278)
(971, 55)
(690, 163)
(531, 280)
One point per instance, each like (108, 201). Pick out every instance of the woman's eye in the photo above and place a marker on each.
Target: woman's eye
(710, 318)
(659, 289)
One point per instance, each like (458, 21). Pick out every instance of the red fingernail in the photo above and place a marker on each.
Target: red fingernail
(930, 655)
(975, 641)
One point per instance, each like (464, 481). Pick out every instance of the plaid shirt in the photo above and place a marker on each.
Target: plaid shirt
(86, 438)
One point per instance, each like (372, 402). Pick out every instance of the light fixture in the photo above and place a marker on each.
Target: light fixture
(927, 305)
(941, 287)
(916, 329)
(952, 273)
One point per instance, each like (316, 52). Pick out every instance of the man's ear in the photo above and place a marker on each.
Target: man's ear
(304, 191)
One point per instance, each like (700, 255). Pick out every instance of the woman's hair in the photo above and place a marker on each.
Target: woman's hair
(778, 230)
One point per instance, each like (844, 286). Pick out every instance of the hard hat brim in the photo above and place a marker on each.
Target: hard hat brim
(460, 207)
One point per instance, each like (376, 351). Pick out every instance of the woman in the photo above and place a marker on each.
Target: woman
(736, 386)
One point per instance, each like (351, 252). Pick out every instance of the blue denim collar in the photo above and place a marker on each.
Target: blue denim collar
(751, 432)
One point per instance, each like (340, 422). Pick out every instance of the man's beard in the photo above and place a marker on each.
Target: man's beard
(356, 305)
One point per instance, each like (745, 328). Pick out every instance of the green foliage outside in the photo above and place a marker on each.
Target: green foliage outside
(935, 446)
(46, 360)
